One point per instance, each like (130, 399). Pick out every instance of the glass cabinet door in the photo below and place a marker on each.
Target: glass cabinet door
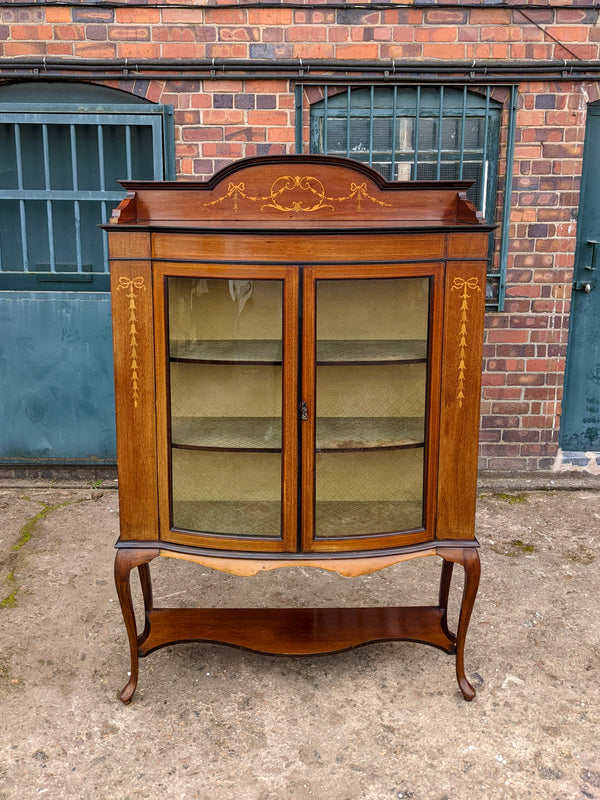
(366, 349)
(227, 347)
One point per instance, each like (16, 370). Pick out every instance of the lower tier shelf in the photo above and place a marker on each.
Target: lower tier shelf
(295, 631)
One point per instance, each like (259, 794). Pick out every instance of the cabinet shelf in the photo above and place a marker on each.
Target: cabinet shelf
(262, 518)
(263, 434)
(330, 352)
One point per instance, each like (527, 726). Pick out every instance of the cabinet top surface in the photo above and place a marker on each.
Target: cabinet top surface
(296, 193)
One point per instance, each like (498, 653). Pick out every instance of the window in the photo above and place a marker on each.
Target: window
(58, 178)
(421, 132)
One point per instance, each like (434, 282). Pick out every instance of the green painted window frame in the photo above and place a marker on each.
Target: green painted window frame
(406, 110)
(85, 206)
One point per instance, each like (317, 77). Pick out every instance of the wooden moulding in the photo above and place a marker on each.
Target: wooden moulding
(310, 191)
(460, 397)
(131, 289)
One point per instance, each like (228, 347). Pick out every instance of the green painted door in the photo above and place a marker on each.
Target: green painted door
(62, 149)
(580, 425)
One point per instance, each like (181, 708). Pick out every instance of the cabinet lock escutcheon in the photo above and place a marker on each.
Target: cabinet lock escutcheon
(303, 411)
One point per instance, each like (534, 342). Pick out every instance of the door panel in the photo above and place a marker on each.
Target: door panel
(366, 453)
(580, 422)
(227, 426)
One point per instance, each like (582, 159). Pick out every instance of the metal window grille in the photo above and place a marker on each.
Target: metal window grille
(422, 132)
(58, 182)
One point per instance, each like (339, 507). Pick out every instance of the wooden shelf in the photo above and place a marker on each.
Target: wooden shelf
(296, 631)
(226, 351)
(329, 352)
(262, 518)
(263, 434)
(335, 518)
(371, 351)
(250, 434)
(242, 518)
(340, 434)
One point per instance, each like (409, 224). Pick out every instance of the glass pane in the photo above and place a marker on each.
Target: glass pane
(32, 156)
(92, 256)
(225, 348)
(59, 148)
(88, 168)
(371, 396)
(38, 247)
(142, 166)
(8, 161)
(11, 244)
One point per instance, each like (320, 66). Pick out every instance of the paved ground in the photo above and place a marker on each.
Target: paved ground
(384, 721)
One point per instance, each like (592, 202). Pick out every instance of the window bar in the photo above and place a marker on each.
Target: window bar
(101, 165)
(462, 135)
(49, 214)
(128, 151)
(371, 115)
(394, 126)
(508, 176)
(22, 214)
(325, 119)
(485, 151)
(348, 108)
(417, 123)
(76, 208)
(438, 169)
(299, 98)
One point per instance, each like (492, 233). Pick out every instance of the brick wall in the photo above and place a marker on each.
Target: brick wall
(221, 119)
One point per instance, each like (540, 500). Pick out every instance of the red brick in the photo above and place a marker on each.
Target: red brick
(70, 32)
(140, 16)
(499, 335)
(95, 50)
(93, 15)
(502, 393)
(521, 435)
(138, 50)
(268, 117)
(163, 33)
(497, 421)
(270, 16)
(356, 51)
(510, 408)
(313, 51)
(522, 379)
(57, 14)
(31, 32)
(226, 16)
(124, 33)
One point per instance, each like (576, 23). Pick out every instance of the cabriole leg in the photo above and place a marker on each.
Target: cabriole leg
(469, 558)
(445, 581)
(125, 561)
(472, 571)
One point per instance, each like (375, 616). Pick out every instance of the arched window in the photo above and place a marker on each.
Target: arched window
(415, 133)
(64, 147)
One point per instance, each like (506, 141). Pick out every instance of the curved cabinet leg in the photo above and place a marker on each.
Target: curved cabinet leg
(469, 558)
(125, 561)
(146, 584)
(445, 581)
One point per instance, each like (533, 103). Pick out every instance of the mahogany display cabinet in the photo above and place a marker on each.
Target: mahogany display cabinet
(297, 352)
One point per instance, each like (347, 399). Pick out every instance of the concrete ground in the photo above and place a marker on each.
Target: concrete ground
(380, 722)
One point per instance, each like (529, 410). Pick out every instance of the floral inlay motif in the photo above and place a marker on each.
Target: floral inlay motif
(131, 284)
(464, 284)
(297, 193)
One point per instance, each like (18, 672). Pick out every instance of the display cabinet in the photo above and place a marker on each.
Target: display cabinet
(297, 367)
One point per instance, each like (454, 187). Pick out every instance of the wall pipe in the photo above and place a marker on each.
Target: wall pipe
(310, 71)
